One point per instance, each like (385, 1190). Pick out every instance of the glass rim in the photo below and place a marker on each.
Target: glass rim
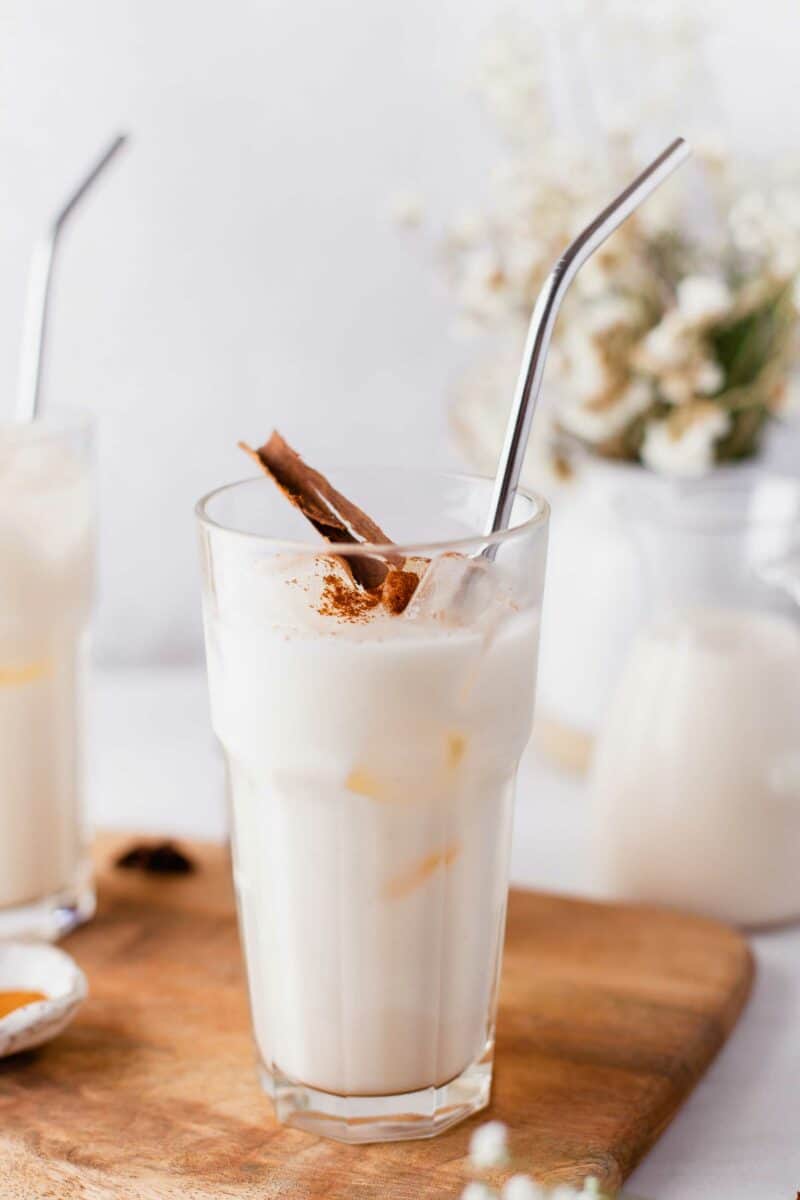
(407, 549)
(671, 509)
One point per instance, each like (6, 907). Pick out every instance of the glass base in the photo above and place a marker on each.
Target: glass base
(357, 1119)
(52, 917)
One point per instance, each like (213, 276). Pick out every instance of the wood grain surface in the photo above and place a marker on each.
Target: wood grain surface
(608, 1016)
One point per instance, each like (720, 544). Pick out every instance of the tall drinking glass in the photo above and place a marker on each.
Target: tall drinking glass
(371, 760)
(46, 536)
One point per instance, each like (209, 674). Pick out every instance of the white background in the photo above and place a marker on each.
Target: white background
(238, 268)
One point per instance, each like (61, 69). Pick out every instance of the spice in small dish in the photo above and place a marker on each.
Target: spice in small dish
(10, 1001)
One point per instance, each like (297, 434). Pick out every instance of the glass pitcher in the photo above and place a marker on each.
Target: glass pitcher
(696, 780)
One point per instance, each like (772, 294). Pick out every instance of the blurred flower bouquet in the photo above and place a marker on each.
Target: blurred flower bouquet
(677, 343)
(678, 339)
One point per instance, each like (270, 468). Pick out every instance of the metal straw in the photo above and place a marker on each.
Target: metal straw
(529, 382)
(34, 331)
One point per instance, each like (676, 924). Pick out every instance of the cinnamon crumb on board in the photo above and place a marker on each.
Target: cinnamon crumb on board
(155, 858)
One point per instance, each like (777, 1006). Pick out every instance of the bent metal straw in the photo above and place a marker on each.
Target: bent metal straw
(34, 331)
(548, 303)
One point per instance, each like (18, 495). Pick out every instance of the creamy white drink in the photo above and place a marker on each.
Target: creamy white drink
(371, 761)
(45, 583)
(373, 695)
(696, 782)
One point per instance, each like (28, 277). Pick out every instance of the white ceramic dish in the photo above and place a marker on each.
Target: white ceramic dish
(37, 967)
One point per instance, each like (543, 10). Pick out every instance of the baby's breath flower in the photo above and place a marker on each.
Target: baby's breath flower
(711, 150)
(598, 422)
(644, 306)
(612, 312)
(524, 261)
(785, 262)
(665, 346)
(477, 1191)
(703, 298)
(594, 279)
(658, 215)
(591, 1188)
(488, 1146)
(522, 1187)
(467, 229)
(685, 446)
(708, 377)
(482, 291)
(676, 387)
(587, 374)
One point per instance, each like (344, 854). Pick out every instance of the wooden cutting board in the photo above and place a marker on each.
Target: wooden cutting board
(608, 1016)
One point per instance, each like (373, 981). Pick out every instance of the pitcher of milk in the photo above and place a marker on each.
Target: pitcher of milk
(695, 784)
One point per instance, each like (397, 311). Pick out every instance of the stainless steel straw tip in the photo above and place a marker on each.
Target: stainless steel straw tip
(543, 319)
(117, 142)
(39, 278)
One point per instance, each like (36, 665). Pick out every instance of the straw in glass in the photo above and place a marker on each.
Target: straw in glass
(34, 332)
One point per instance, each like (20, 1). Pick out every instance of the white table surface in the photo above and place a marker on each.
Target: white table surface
(155, 767)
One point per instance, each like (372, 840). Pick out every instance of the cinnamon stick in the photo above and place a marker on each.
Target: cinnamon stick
(332, 514)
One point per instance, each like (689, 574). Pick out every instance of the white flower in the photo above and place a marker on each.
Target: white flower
(659, 215)
(488, 1146)
(477, 1191)
(749, 222)
(524, 261)
(598, 423)
(676, 387)
(467, 229)
(593, 279)
(591, 1188)
(406, 209)
(708, 377)
(711, 149)
(585, 369)
(785, 262)
(703, 298)
(612, 312)
(522, 1187)
(665, 346)
(482, 290)
(685, 450)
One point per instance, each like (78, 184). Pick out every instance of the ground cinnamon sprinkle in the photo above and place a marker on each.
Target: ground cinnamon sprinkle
(398, 588)
(345, 600)
(384, 577)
